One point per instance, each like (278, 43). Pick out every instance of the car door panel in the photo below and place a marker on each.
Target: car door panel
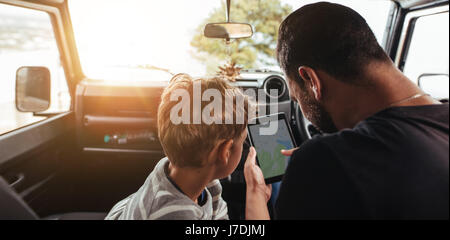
(33, 158)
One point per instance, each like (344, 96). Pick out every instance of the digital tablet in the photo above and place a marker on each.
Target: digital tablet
(269, 135)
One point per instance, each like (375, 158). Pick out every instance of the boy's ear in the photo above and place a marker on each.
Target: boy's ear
(224, 151)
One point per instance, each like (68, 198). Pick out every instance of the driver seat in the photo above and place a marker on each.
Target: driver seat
(13, 207)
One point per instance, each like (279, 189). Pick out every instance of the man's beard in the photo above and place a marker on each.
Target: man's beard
(315, 112)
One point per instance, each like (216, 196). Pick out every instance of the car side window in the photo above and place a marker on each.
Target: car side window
(427, 62)
(27, 39)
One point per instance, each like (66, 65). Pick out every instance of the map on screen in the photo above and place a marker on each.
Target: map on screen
(268, 148)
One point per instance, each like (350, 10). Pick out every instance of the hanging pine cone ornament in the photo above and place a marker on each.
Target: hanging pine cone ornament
(229, 71)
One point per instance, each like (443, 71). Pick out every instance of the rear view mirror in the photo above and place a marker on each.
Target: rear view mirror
(435, 84)
(228, 30)
(32, 89)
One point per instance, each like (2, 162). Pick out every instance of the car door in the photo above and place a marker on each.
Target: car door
(36, 149)
(423, 50)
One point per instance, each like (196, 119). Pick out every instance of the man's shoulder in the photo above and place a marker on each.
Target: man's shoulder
(322, 144)
(365, 134)
(329, 147)
(313, 151)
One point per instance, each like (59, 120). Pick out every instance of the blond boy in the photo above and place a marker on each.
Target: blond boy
(185, 184)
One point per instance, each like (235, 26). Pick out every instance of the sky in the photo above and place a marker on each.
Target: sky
(132, 32)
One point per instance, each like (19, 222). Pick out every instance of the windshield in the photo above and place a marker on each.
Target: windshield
(138, 40)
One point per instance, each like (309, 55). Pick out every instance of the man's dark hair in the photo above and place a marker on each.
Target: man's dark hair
(329, 37)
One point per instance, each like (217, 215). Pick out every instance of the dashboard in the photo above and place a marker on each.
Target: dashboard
(121, 117)
(118, 118)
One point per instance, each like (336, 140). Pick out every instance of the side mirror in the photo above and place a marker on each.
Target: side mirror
(32, 89)
(228, 30)
(434, 84)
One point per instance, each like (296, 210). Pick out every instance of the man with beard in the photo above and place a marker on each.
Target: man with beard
(384, 153)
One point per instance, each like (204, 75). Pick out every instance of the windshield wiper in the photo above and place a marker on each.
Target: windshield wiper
(151, 67)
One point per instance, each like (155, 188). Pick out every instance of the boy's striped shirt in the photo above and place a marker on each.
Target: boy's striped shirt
(159, 199)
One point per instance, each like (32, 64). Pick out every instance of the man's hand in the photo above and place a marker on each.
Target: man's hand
(288, 153)
(258, 193)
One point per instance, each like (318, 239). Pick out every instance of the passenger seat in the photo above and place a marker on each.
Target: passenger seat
(12, 207)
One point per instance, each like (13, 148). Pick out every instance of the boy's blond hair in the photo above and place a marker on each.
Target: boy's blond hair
(188, 145)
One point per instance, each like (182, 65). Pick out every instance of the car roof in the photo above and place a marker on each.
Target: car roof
(403, 3)
(414, 3)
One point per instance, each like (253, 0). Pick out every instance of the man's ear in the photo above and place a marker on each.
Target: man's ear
(224, 151)
(312, 81)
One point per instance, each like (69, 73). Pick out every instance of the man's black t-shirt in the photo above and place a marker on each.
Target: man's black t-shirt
(393, 165)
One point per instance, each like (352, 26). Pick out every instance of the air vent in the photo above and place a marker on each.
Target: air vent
(276, 83)
(246, 80)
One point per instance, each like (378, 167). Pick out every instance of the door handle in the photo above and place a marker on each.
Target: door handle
(17, 180)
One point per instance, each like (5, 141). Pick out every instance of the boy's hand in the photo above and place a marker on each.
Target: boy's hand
(254, 176)
(258, 193)
(289, 152)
